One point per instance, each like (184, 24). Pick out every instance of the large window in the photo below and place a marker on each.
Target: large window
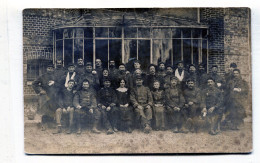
(123, 44)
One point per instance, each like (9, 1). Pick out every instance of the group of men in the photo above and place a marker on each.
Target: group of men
(161, 98)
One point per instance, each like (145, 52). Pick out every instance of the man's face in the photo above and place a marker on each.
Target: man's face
(59, 63)
(89, 68)
(139, 82)
(174, 82)
(161, 67)
(180, 66)
(70, 84)
(152, 70)
(138, 72)
(50, 69)
(214, 70)
(201, 68)
(231, 69)
(121, 68)
(71, 69)
(85, 85)
(112, 64)
(192, 69)
(156, 85)
(105, 73)
(80, 62)
(211, 83)
(169, 70)
(137, 65)
(236, 74)
(98, 62)
(107, 84)
(190, 84)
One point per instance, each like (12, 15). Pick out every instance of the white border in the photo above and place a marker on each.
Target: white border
(11, 81)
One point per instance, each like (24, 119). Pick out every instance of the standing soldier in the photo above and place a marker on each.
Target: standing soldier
(158, 106)
(99, 68)
(202, 76)
(161, 70)
(237, 94)
(151, 77)
(113, 73)
(167, 78)
(180, 73)
(219, 80)
(80, 69)
(142, 101)
(211, 104)
(65, 101)
(192, 74)
(174, 102)
(91, 76)
(59, 74)
(123, 74)
(71, 75)
(107, 105)
(45, 87)
(229, 75)
(138, 73)
(85, 103)
(192, 105)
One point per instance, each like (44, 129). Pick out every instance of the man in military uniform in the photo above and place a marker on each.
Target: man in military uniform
(137, 73)
(142, 101)
(85, 103)
(65, 102)
(99, 69)
(202, 76)
(229, 75)
(180, 73)
(237, 94)
(161, 70)
(192, 74)
(167, 78)
(80, 69)
(59, 74)
(112, 70)
(211, 104)
(91, 76)
(192, 105)
(46, 87)
(174, 102)
(123, 74)
(151, 77)
(107, 99)
(219, 80)
(71, 75)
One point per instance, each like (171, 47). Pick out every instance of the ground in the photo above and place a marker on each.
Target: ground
(44, 142)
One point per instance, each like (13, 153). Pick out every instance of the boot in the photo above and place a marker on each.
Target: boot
(78, 128)
(147, 129)
(69, 131)
(110, 131)
(58, 130)
(175, 130)
(94, 129)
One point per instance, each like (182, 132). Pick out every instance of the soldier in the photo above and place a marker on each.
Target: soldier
(137, 73)
(91, 76)
(85, 103)
(167, 78)
(192, 74)
(237, 94)
(174, 102)
(46, 87)
(71, 75)
(161, 70)
(113, 73)
(105, 76)
(80, 69)
(137, 65)
(219, 80)
(192, 105)
(202, 76)
(180, 73)
(65, 101)
(151, 77)
(99, 68)
(123, 74)
(59, 74)
(107, 105)
(158, 106)
(142, 101)
(211, 104)
(229, 75)
(125, 109)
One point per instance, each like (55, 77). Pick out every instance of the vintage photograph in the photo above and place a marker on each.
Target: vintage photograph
(137, 81)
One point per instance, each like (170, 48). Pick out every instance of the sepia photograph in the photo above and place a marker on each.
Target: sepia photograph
(137, 81)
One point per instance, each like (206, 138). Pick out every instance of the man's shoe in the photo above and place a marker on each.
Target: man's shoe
(115, 129)
(58, 130)
(96, 131)
(79, 131)
(147, 129)
(175, 130)
(129, 130)
(69, 131)
(110, 131)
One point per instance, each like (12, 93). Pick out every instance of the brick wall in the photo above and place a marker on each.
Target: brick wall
(214, 17)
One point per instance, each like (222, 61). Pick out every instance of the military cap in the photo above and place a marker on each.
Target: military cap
(214, 66)
(168, 66)
(88, 64)
(174, 78)
(71, 80)
(234, 65)
(161, 63)
(179, 62)
(139, 77)
(106, 79)
(85, 80)
(236, 70)
(137, 61)
(50, 65)
(192, 65)
(121, 64)
(190, 79)
(71, 64)
(151, 65)
(210, 78)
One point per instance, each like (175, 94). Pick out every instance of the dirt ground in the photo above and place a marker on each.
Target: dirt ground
(44, 142)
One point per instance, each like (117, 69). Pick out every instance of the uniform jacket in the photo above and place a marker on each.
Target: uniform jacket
(106, 96)
(85, 98)
(192, 95)
(65, 98)
(93, 80)
(158, 97)
(141, 96)
(211, 97)
(174, 97)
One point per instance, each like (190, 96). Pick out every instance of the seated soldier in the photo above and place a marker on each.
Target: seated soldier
(174, 102)
(85, 103)
(211, 104)
(158, 106)
(107, 106)
(142, 101)
(192, 105)
(125, 110)
(65, 106)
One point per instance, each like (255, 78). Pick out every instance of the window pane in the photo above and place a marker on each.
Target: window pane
(143, 32)
(187, 52)
(59, 50)
(88, 32)
(176, 45)
(101, 32)
(144, 53)
(130, 50)
(79, 32)
(204, 53)
(68, 52)
(115, 52)
(59, 34)
(161, 33)
(176, 33)
(204, 33)
(186, 33)
(115, 32)
(102, 51)
(68, 33)
(88, 47)
(196, 33)
(195, 52)
(130, 32)
(78, 49)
